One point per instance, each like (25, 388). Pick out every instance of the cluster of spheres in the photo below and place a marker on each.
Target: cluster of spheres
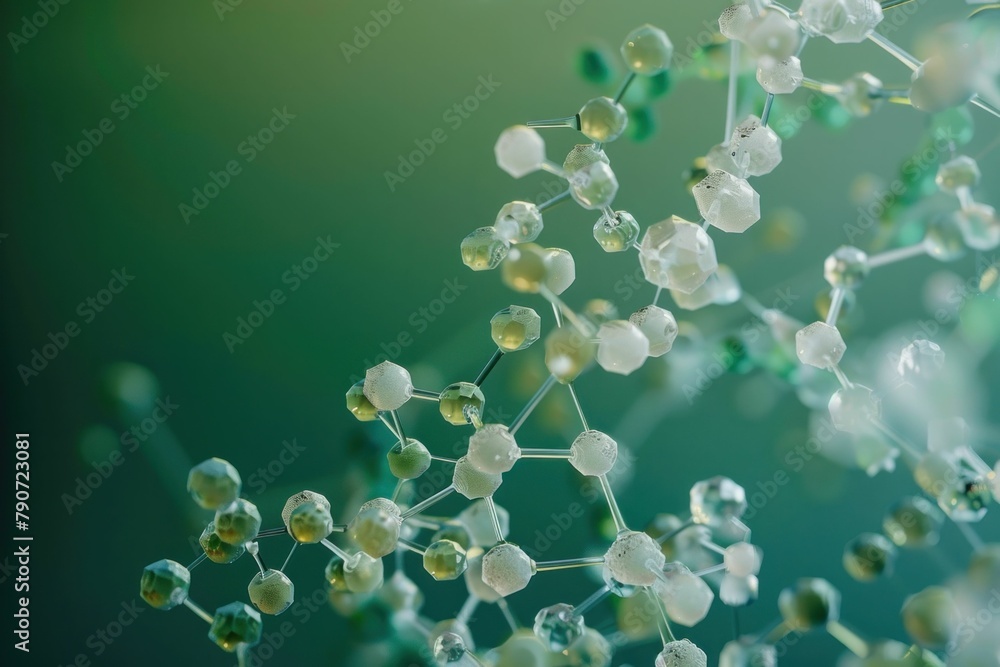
(669, 573)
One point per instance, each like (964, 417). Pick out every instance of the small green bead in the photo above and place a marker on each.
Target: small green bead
(235, 624)
(334, 574)
(811, 604)
(408, 462)
(484, 249)
(455, 532)
(359, 405)
(310, 523)
(217, 550)
(869, 556)
(515, 328)
(445, 560)
(237, 522)
(457, 398)
(165, 584)
(214, 483)
(271, 592)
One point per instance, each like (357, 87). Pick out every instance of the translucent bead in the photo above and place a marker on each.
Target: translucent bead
(811, 604)
(738, 591)
(362, 573)
(647, 50)
(522, 649)
(602, 119)
(980, 226)
(558, 626)
(479, 522)
(940, 83)
(408, 462)
(716, 500)
(401, 594)
(734, 23)
(525, 268)
(388, 386)
(472, 482)
(841, 21)
(271, 592)
(375, 528)
(618, 233)
(681, 653)
(507, 569)
(301, 498)
(458, 399)
(741, 653)
(238, 522)
(677, 254)
(311, 523)
(449, 648)
(659, 326)
(854, 408)
(484, 249)
(727, 202)
(568, 353)
(217, 550)
(755, 146)
(515, 328)
(686, 596)
(742, 559)
(164, 584)
(623, 347)
(920, 361)
(492, 449)
(820, 345)
(519, 222)
(948, 435)
(965, 499)
(846, 267)
(214, 483)
(599, 311)
(913, 522)
(944, 240)
(519, 151)
(235, 625)
(860, 95)
(773, 35)
(780, 77)
(444, 560)
(474, 577)
(593, 453)
(582, 156)
(634, 558)
(589, 650)
(560, 270)
(934, 471)
(455, 531)
(931, 616)
(685, 543)
(359, 405)
(869, 556)
(595, 186)
(959, 172)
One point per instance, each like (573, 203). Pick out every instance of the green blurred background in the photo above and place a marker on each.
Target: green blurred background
(323, 176)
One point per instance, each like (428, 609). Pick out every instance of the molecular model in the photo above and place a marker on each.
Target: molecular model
(668, 574)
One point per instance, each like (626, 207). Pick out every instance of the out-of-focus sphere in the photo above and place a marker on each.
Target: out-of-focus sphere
(811, 604)
(913, 522)
(524, 269)
(388, 386)
(860, 95)
(593, 453)
(519, 150)
(771, 34)
(602, 119)
(492, 449)
(869, 556)
(941, 83)
(921, 360)
(853, 409)
(681, 653)
(846, 267)
(780, 77)
(647, 50)
(484, 249)
(362, 573)
(716, 500)
(841, 21)
(738, 591)
(931, 617)
(507, 569)
(735, 20)
(478, 520)
(744, 654)
(595, 186)
(519, 222)
(623, 347)
(742, 559)
(820, 345)
(271, 592)
(980, 226)
(589, 650)
(959, 172)
(560, 270)
(568, 353)
(515, 328)
(686, 597)
(659, 326)
(375, 528)
(944, 240)
(634, 558)
(474, 576)
(677, 254)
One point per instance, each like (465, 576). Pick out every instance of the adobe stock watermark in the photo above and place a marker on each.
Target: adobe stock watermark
(294, 277)
(31, 24)
(121, 108)
(88, 309)
(247, 151)
(454, 116)
(562, 12)
(364, 34)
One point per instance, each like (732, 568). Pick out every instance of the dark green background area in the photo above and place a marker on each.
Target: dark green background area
(323, 176)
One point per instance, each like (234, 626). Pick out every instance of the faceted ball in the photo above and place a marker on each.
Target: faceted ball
(359, 405)
(913, 522)
(931, 617)
(811, 604)
(920, 361)
(593, 453)
(474, 483)
(677, 254)
(957, 173)
(334, 575)
(943, 239)
(647, 50)
(164, 584)
(560, 270)
(634, 558)
(716, 500)
(519, 222)
(681, 653)
(454, 530)
(742, 559)
(846, 267)
(458, 400)
(980, 226)
(727, 202)
(594, 186)
(820, 345)
(558, 626)
(311, 523)
(854, 408)
(271, 592)
(740, 653)
(942, 82)
(484, 249)
(478, 521)
(492, 449)
(401, 594)
(519, 150)
(375, 529)
(860, 95)
(235, 624)
(445, 560)
(474, 577)
(449, 648)
(582, 156)
(217, 550)
(568, 353)
(686, 597)
(362, 573)
(617, 233)
(525, 268)
(388, 386)
(408, 462)
(602, 119)
(238, 522)
(966, 498)
(738, 591)
(841, 21)
(780, 77)
(773, 35)
(659, 326)
(734, 22)
(869, 556)
(301, 498)
(589, 650)
(755, 147)
(623, 347)
(214, 483)
(515, 328)
(507, 569)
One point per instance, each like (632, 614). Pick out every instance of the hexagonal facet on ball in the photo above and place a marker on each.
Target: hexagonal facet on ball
(623, 347)
(811, 604)
(780, 77)
(515, 328)
(634, 558)
(375, 529)
(681, 653)
(235, 624)
(217, 550)
(301, 498)
(444, 560)
(616, 233)
(474, 483)
(593, 453)
(507, 569)
(408, 462)
(557, 626)
(484, 249)
(359, 405)
(459, 400)
(519, 151)
(602, 119)
(388, 386)
(519, 222)
(492, 449)
(594, 186)
(677, 254)
(647, 50)
(841, 21)
(820, 345)
(165, 584)
(238, 522)
(271, 592)
(659, 326)
(214, 483)
(716, 500)
(727, 202)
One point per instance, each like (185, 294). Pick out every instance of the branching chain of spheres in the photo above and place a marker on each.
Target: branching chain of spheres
(679, 256)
